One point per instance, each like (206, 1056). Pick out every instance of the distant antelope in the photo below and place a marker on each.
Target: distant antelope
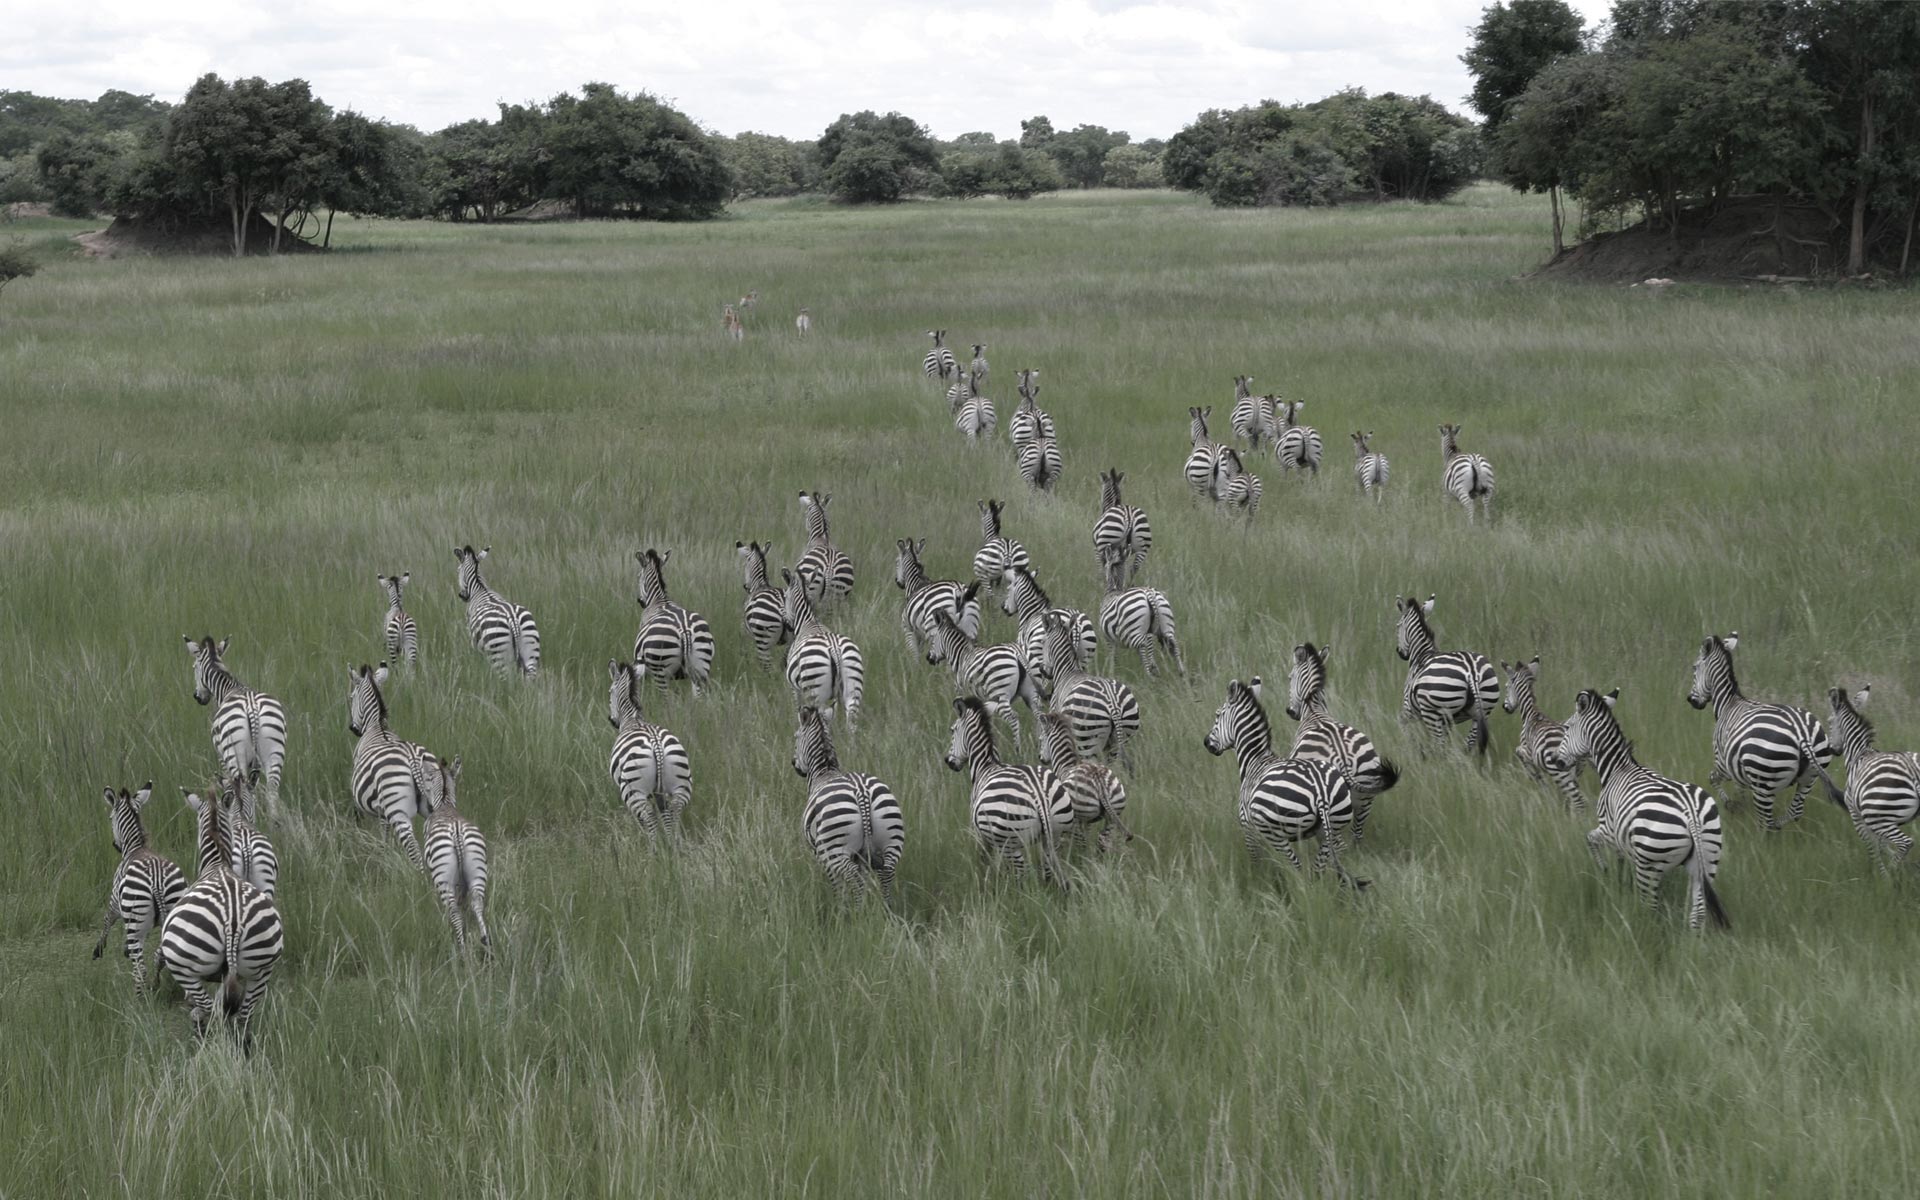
(749, 300)
(1465, 477)
(730, 324)
(803, 323)
(1369, 467)
(979, 364)
(939, 363)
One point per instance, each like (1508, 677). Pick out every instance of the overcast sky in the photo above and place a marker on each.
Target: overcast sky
(786, 68)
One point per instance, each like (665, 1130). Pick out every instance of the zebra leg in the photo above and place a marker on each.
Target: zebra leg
(450, 903)
(477, 900)
(1435, 724)
(888, 866)
(1254, 844)
(1646, 882)
(1147, 659)
(1596, 841)
(136, 948)
(1286, 848)
(1173, 648)
(403, 829)
(676, 804)
(1799, 806)
(106, 927)
(643, 810)
(840, 873)
(1569, 787)
(255, 989)
(200, 1003)
(1361, 807)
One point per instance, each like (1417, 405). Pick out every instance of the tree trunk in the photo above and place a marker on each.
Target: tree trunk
(239, 221)
(1857, 240)
(279, 227)
(326, 243)
(1907, 248)
(1553, 196)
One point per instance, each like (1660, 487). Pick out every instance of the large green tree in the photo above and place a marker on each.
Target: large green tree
(1512, 44)
(870, 158)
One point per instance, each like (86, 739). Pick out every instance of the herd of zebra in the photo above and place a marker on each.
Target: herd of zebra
(221, 936)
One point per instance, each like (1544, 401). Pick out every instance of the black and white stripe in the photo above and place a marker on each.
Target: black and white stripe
(852, 821)
(500, 629)
(1654, 822)
(1760, 747)
(400, 634)
(145, 884)
(997, 674)
(997, 554)
(939, 363)
(1539, 747)
(1282, 800)
(1014, 811)
(827, 571)
(222, 934)
(649, 767)
(673, 642)
(1295, 445)
(823, 667)
(1252, 415)
(249, 726)
(1369, 467)
(1121, 532)
(1029, 421)
(1203, 461)
(253, 857)
(392, 777)
(457, 859)
(1465, 477)
(925, 597)
(1040, 463)
(1139, 617)
(1883, 787)
(1027, 603)
(973, 414)
(1442, 689)
(1099, 798)
(959, 390)
(1233, 488)
(978, 368)
(1102, 714)
(1329, 741)
(761, 607)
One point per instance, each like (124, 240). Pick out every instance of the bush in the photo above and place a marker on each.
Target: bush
(15, 263)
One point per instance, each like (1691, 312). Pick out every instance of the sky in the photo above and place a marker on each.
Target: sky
(786, 68)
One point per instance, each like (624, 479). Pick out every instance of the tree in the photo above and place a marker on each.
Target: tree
(1864, 59)
(868, 158)
(478, 170)
(78, 169)
(217, 141)
(1035, 133)
(375, 170)
(1082, 153)
(15, 263)
(610, 154)
(765, 165)
(1513, 43)
(1131, 167)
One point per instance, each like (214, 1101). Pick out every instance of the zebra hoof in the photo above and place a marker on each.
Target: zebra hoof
(96, 952)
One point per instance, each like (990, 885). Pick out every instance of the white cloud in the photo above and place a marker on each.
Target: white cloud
(783, 66)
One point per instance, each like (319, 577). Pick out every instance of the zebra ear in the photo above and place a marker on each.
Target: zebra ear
(222, 647)
(920, 546)
(406, 577)
(959, 704)
(1609, 698)
(483, 551)
(453, 768)
(141, 797)
(1732, 639)
(380, 674)
(1253, 685)
(191, 644)
(1426, 606)
(459, 552)
(613, 668)
(639, 556)
(110, 797)
(1861, 697)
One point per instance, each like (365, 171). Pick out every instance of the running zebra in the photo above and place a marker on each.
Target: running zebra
(500, 629)
(978, 367)
(1011, 808)
(1539, 747)
(1102, 714)
(1465, 477)
(761, 608)
(973, 414)
(997, 554)
(1282, 800)
(823, 667)
(145, 884)
(925, 597)
(1232, 487)
(1321, 737)
(457, 859)
(1369, 467)
(401, 635)
(1121, 532)
(997, 674)
(249, 727)
(1027, 603)
(1252, 415)
(253, 858)
(1295, 445)
(1099, 798)
(852, 820)
(1442, 688)
(827, 570)
(649, 766)
(1883, 787)
(1203, 461)
(959, 390)
(673, 642)
(392, 777)
(1029, 421)
(222, 933)
(939, 362)
(1760, 747)
(1138, 617)
(1653, 822)
(1040, 463)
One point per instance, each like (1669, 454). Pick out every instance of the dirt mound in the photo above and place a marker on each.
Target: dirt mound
(1738, 241)
(128, 236)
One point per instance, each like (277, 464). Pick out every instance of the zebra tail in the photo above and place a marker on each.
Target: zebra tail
(230, 987)
(1050, 849)
(1483, 735)
(1697, 867)
(1833, 789)
(1389, 774)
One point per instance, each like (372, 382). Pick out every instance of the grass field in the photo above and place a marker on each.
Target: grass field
(239, 448)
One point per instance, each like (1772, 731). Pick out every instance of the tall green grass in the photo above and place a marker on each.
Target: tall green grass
(239, 448)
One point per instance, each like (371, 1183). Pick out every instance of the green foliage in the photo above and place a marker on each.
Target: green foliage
(1036, 132)
(1131, 167)
(614, 155)
(27, 120)
(765, 165)
(20, 180)
(1513, 43)
(16, 262)
(1003, 170)
(868, 158)
(77, 172)
(479, 170)
(1081, 153)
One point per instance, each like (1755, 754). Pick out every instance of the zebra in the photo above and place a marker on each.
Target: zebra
(939, 362)
(1027, 603)
(1442, 689)
(1653, 822)
(1369, 467)
(1138, 617)
(145, 884)
(457, 859)
(1252, 415)
(1232, 486)
(1465, 477)
(1757, 746)
(1040, 463)
(803, 323)
(649, 766)
(997, 554)
(1539, 747)
(392, 778)
(996, 674)
(222, 931)
(1121, 531)
(1010, 807)
(1029, 421)
(1203, 461)
(960, 389)
(1097, 793)
(673, 642)
(822, 666)
(1320, 737)
(973, 413)
(254, 859)
(1282, 800)
(978, 367)
(1102, 714)
(249, 726)
(827, 570)
(402, 636)
(500, 629)
(852, 820)
(761, 608)
(925, 597)
(1295, 445)
(1883, 787)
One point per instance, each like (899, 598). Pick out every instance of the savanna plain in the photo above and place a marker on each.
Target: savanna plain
(239, 448)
